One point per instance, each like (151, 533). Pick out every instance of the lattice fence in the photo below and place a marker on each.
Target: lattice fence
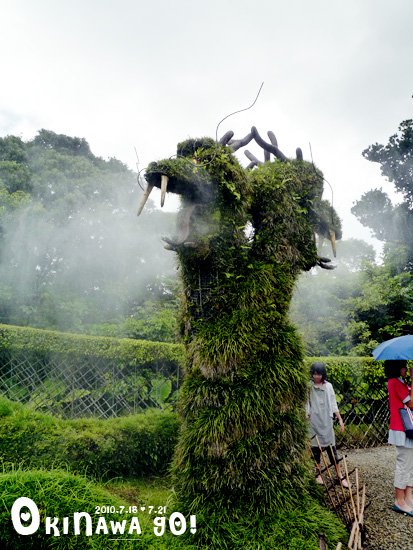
(70, 386)
(366, 417)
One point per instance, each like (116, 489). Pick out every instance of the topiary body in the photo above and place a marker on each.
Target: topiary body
(244, 238)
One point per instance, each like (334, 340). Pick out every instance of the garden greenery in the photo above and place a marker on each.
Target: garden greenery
(243, 437)
(73, 375)
(134, 446)
(57, 494)
(46, 342)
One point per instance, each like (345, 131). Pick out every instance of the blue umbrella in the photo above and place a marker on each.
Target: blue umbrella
(396, 348)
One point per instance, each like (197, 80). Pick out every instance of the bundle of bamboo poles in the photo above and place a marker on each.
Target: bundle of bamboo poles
(347, 503)
(355, 541)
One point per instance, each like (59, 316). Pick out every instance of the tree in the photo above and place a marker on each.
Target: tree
(72, 252)
(389, 223)
(13, 149)
(15, 175)
(382, 307)
(396, 159)
(59, 142)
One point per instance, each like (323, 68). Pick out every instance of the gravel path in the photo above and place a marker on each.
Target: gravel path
(387, 530)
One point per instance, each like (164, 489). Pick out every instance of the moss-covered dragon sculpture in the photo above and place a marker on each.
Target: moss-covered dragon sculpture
(243, 237)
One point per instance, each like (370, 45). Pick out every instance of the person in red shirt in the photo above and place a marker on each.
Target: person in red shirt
(400, 394)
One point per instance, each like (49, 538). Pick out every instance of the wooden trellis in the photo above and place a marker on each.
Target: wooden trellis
(348, 503)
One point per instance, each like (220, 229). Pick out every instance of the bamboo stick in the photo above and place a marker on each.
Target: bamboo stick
(333, 504)
(331, 479)
(351, 492)
(358, 547)
(345, 500)
(358, 496)
(349, 505)
(361, 518)
(352, 534)
(363, 504)
(356, 536)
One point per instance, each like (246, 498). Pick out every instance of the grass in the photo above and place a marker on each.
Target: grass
(130, 446)
(295, 529)
(156, 491)
(39, 462)
(60, 494)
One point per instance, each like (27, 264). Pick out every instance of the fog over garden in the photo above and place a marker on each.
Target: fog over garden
(75, 257)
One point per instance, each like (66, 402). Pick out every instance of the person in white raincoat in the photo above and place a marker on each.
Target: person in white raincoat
(321, 408)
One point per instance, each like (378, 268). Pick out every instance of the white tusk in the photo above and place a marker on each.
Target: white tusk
(164, 186)
(333, 241)
(145, 197)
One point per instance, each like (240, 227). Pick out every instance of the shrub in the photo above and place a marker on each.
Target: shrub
(124, 350)
(132, 446)
(59, 494)
(289, 528)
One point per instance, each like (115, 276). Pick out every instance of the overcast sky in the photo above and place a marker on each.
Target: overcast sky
(128, 74)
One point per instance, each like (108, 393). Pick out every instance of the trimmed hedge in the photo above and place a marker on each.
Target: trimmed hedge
(73, 375)
(133, 446)
(142, 352)
(359, 382)
(136, 352)
(351, 370)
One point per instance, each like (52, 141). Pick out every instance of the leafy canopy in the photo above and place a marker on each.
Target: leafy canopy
(72, 253)
(388, 222)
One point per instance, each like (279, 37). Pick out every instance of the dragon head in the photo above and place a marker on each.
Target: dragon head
(213, 187)
(279, 199)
